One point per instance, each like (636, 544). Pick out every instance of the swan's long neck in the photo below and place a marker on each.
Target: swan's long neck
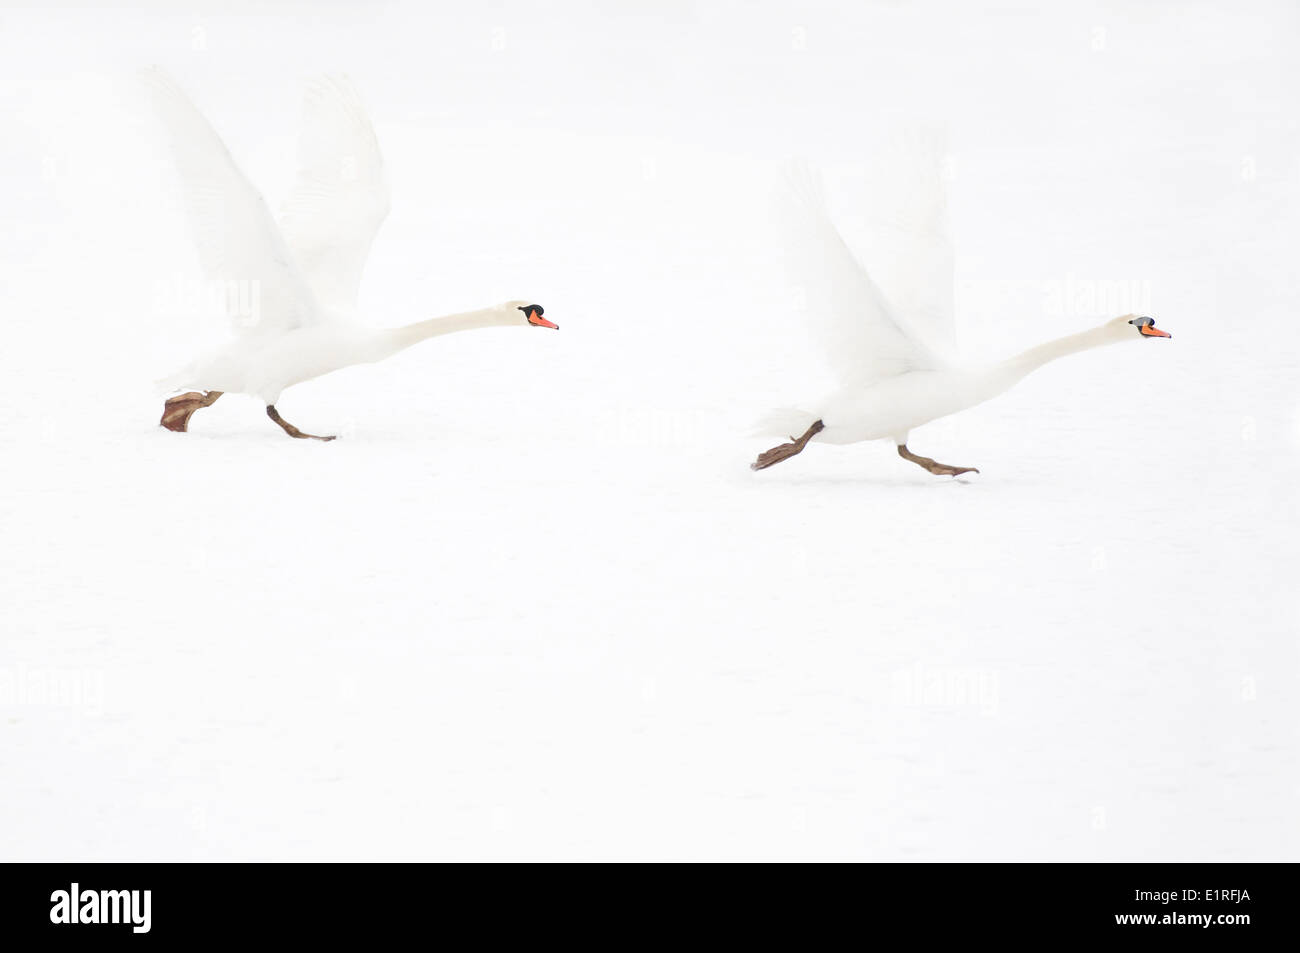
(1014, 368)
(392, 340)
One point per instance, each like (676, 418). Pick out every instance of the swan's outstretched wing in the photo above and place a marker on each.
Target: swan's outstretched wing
(904, 234)
(340, 197)
(863, 338)
(239, 245)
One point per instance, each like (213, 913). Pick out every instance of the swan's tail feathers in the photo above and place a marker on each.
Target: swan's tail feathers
(181, 380)
(784, 422)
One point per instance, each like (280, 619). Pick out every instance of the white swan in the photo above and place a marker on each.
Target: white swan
(299, 278)
(890, 381)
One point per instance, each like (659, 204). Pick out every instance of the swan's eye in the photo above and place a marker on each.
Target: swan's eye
(1147, 328)
(534, 314)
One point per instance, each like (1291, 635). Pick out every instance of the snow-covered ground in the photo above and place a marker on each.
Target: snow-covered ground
(535, 604)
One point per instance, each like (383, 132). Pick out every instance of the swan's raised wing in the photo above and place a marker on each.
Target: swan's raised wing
(863, 338)
(904, 234)
(340, 197)
(239, 245)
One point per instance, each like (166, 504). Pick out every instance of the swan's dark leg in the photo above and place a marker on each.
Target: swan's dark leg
(289, 428)
(787, 450)
(178, 410)
(939, 469)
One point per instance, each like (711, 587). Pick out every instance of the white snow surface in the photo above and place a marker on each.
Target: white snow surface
(534, 604)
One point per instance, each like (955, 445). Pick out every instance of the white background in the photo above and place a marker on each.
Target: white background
(534, 604)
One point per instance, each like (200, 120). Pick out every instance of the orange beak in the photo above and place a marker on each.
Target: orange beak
(541, 322)
(1151, 331)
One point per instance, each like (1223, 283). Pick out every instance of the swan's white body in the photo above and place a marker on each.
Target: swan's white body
(265, 364)
(896, 405)
(892, 406)
(302, 273)
(891, 380)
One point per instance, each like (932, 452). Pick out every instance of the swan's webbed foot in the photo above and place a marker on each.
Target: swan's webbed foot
(178, 410)
(787, 450)
(290, 429)
(938, 469)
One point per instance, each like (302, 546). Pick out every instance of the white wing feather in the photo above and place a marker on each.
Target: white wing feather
(340, 197)
(864, 339)
(904, 234)
(236, 237)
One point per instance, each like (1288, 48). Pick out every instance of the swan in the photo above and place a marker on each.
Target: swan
(890, 379)
(301, 274)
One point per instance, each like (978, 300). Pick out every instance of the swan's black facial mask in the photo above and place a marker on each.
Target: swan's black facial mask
(1147, 328)
(534, 313)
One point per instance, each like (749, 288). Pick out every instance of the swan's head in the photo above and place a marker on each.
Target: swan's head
(1143, 325)
(532, 313)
